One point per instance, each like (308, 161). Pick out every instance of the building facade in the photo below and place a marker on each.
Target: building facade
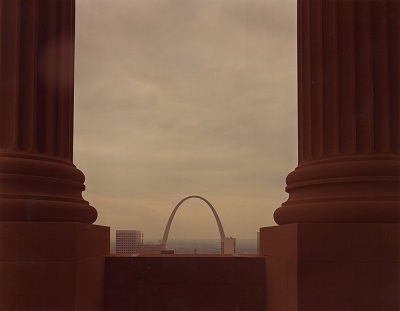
(228, 245)
(128, 241)
(150, 248)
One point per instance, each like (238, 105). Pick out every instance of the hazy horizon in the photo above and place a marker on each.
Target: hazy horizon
(203, 246)
(177, 98)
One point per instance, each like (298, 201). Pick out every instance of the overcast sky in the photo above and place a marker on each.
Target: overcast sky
(186, 97)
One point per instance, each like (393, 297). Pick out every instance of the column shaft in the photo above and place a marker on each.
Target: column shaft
(39, 180)
(348, 63)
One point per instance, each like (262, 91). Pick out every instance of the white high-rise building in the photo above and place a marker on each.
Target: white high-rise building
(128, 241)
(228, 245)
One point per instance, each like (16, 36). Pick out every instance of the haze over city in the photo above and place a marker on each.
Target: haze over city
(177, 98)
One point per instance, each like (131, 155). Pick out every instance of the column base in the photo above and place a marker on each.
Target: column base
(52, 266)
(330, 267)
(357, 188)
(42, 189)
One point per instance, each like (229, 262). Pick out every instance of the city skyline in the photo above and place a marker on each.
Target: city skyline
(179, 98)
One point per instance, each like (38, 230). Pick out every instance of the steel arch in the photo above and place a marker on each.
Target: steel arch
(166, 232)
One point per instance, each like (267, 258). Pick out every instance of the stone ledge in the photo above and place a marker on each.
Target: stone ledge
(330, 267)
(168, 282)
(347, 242)
(52, 241)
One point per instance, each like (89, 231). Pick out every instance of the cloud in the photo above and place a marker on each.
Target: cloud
(185, 97)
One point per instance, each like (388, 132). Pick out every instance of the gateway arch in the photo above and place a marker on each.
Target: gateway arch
(166, 232)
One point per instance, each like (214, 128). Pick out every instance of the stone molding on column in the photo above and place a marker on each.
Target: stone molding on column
(39, 181)
(349, 108)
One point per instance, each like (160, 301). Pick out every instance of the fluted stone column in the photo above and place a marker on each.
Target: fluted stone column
(349, 125)
(51, 255)
(39, 181)
(337, 243)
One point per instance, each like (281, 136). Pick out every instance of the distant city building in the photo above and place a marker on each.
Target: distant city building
(150, 248)
(131, 242)
(128, 241)
(228, 245)
(168, 251)
(258, 242)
